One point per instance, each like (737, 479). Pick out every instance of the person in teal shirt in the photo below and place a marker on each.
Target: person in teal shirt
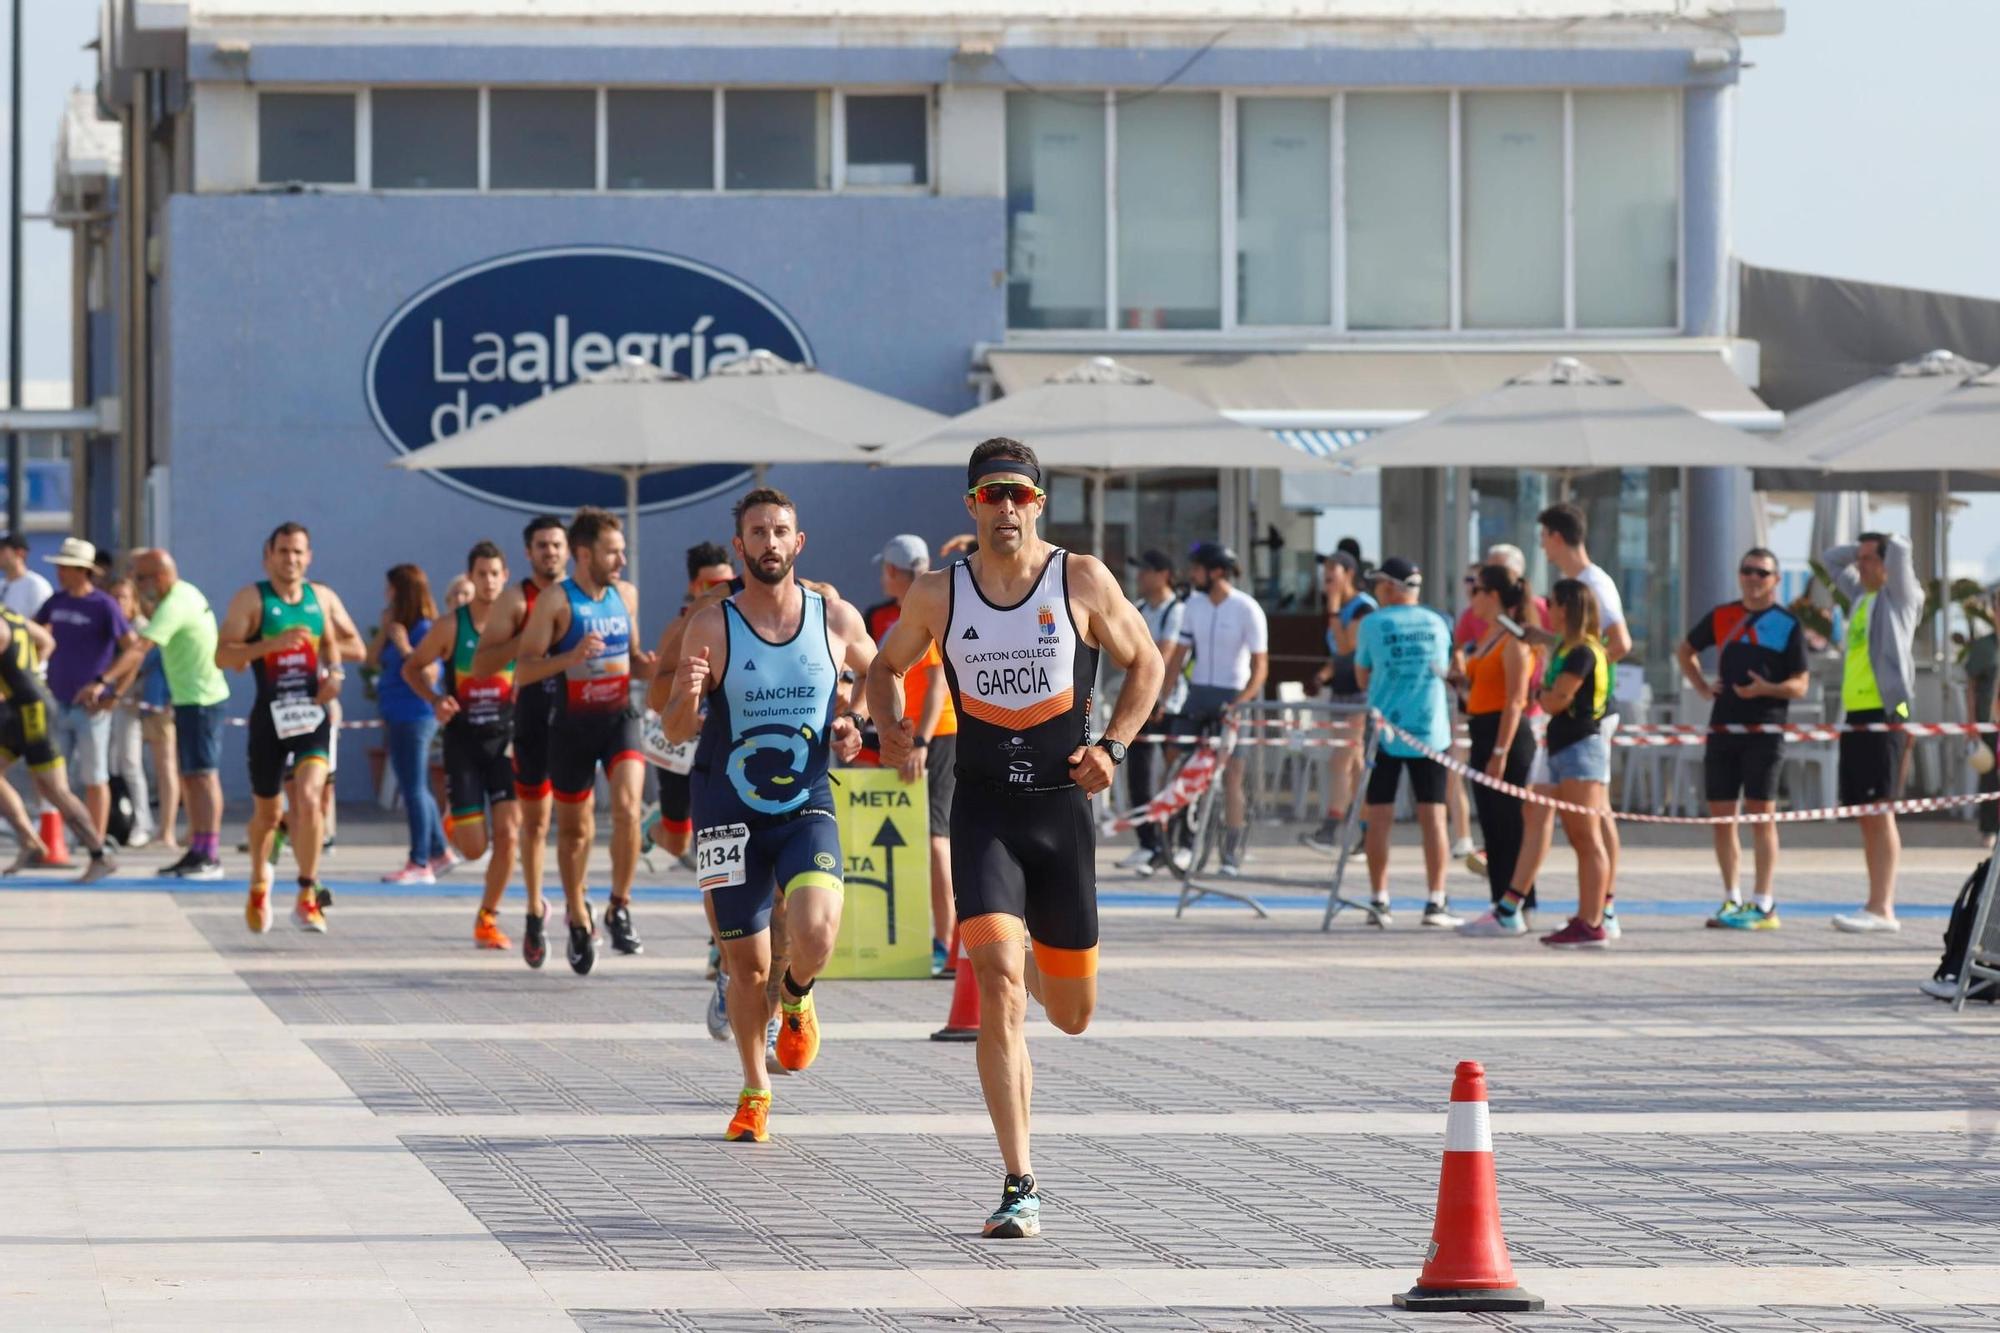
(1401, 657)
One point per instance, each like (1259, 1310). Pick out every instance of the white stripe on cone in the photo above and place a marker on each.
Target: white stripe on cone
(1466, 1128)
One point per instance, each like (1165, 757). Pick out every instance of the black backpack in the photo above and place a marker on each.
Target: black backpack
(1958, 937)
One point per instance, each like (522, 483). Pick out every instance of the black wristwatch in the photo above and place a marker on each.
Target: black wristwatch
(1116, 749)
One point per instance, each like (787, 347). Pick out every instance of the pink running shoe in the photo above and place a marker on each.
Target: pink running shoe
(413, 873)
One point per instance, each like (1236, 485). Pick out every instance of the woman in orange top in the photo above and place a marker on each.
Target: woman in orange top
(1500, 668)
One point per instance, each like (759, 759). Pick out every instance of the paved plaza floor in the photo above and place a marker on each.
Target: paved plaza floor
(382, 1128)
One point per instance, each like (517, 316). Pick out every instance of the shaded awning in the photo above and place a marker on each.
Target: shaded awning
(1360, 390)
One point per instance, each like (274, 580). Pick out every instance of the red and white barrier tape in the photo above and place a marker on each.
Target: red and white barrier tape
(1815, 731)
(1913, 805)
(1189, 783)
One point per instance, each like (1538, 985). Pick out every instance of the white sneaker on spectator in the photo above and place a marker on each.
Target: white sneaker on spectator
(1183, 858)
(1945, 988)
(1136, 859)
(1440, 915)
(1865, 922)
(1462, 849)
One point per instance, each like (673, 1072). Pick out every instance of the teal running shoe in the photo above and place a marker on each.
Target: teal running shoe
(1019, 1216)
(1751, 917)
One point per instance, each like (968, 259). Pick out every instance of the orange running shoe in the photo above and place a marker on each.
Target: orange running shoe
(486, 932)
(798, 1033)
(257, 912)
(306, 914)
(753, 1117)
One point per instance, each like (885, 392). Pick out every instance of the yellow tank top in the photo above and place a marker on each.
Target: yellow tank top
(1859, 691)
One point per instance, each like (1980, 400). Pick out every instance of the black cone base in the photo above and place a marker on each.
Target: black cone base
(1508, 1299)
(955, 1034)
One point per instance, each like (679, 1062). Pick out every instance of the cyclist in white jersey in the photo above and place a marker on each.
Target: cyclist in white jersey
(1020, 624)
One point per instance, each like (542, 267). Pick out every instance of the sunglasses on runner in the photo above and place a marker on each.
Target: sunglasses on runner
(1756, 572)
(998, 492)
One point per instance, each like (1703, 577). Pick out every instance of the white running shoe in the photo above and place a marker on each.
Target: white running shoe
(1865, 922)
(1940, 989)
(1139, 858)
(1462, 849)
(1493, 926)
(1440, 916)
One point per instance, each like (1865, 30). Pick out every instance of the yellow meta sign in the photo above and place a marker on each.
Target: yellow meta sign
(885, 926)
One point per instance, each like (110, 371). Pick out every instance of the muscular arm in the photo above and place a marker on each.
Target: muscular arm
(533, 664)
(667, 655)
(500, 641)
(419, 669)
(342, 641)
(857, 649)
(1260, 671)
(234, 650)
(642, 663)
(925, 608)
(703, 655)
(1121, 632)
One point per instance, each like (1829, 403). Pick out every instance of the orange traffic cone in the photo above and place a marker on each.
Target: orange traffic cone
(53, 835)
(962, 1024)
(1466, 1267)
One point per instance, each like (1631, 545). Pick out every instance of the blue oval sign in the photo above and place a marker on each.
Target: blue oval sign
(489, 338)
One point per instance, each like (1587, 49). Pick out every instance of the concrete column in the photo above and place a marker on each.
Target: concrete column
(1719, 529)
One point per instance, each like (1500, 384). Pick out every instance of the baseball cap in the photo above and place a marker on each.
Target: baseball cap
(1398, 570)
(1154, 560)
(1213, 555)
(906, 552)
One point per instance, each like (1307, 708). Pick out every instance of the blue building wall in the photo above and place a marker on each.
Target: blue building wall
(273, 303)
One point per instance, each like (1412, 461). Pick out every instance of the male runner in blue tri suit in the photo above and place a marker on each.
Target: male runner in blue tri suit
(1020, 624)
(771, 656)
(586, 631)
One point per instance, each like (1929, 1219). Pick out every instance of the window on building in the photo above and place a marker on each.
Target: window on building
(1398, 208)
(659, 140)
(1284, 210)
(1055, 212)
(888, 139)
(541, 139)
(1627, 165)
(305, 137)
(1513, 200)
(424, 139)
(1170, 212)
(776, 140)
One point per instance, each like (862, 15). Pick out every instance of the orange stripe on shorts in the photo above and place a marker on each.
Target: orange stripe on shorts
(991, 928)
(1069, 964)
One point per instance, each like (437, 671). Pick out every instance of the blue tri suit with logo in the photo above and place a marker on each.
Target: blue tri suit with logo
(763, 808)
(593, 724)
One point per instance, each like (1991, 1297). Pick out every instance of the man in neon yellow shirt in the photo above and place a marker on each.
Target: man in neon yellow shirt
(1884, 601)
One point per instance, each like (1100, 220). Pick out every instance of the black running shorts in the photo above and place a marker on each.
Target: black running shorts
(24, 733)
(531, 744)
(676, 799)
(1427, 779)
(1032, 855)
(270, 754)
(1745, 766)
(477, 772)
(581, 743)
(1869, 760)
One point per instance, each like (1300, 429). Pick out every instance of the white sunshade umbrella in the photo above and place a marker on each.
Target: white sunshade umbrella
(1565, 418)
(1097, 419)
(631, 422)
(824, 404)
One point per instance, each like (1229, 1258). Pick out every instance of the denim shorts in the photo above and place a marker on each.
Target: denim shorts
(85, 738)
(1587, 760)
(198, 732)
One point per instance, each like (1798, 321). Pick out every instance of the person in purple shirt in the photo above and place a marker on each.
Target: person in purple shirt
(89, 629)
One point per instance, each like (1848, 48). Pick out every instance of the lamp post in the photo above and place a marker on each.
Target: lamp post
(16, 478)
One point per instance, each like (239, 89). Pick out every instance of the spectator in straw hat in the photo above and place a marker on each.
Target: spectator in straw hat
(89, 630)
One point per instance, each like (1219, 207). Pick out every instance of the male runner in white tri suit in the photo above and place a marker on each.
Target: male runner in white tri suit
(1020, 624)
